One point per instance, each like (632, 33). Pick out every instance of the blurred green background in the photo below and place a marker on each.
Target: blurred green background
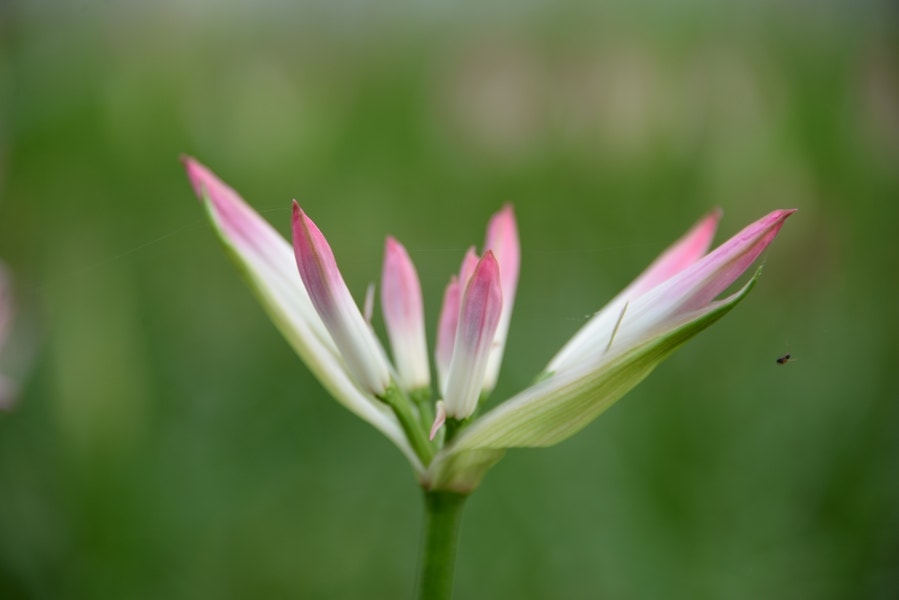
(168, 444)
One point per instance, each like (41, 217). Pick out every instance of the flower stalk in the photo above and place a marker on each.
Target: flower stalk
(443, 515)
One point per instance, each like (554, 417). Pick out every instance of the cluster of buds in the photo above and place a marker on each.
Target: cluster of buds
(473, 323)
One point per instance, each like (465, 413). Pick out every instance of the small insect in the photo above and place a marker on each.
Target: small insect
(782, 360)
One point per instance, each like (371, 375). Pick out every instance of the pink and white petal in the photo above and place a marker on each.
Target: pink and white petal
(596, 333)
(469, 263)
(266, 260)
(331, 298)
(263, 250)
(694, 288)
(700, 283)
(683, 253)
(404, 316)
(482, 304)
(502, 240)
(446, 330)
(449, 316)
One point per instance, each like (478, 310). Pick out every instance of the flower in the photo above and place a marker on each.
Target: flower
(666, 305)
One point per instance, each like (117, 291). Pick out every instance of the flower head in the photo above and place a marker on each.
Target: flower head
(669, 303)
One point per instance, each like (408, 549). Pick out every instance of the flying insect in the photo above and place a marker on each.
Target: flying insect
(782, 360)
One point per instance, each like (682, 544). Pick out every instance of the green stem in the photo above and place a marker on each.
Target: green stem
(443, 513)
(398, 401)
(422, 399)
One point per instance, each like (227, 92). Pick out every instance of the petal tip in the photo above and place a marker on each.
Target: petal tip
(197, 174)
(502, 225)
(391, 245)
(782, 213)
(779, 216)
(297, 215)
(708, 224)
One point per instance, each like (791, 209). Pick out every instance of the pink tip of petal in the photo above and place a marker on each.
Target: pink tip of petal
(305, 228)
(486, 276)
(687, 250)
(334, 304)
(446, 328)
(469, 263)
(502, 231)
(400, 289)
(205, 183)
(404, 315)
(502, 240)
(693, 246)
(502, 224)
(239, 223)
(721, 267)
(316, 263)
(197, 174)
